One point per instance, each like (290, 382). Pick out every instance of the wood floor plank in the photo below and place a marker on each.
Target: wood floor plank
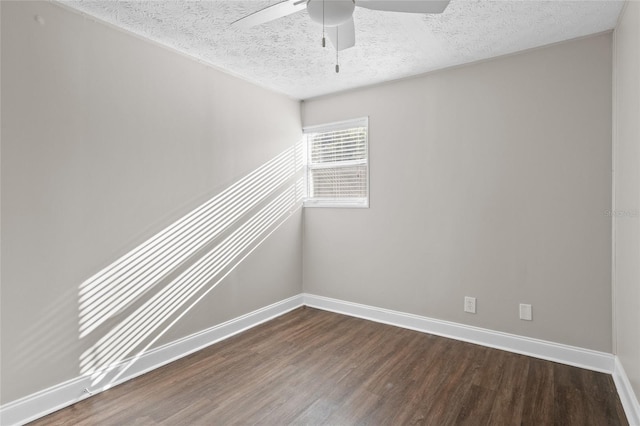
(355, 409)
(312, 367)
(455, 384)
(540, 393)
(509, 401)
(315, 414)
(476, 406)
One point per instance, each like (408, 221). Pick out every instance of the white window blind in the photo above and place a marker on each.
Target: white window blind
(337, 164)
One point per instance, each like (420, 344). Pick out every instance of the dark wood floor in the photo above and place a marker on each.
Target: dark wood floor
(314, 367)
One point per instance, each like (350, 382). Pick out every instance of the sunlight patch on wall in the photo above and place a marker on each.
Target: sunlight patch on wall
(115, 287)
(181, 264)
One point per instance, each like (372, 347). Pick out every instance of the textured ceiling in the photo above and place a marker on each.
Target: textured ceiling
(286, 55)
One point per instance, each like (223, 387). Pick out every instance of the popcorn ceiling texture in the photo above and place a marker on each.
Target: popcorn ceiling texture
(285, 55)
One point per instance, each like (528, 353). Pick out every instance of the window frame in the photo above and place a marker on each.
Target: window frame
(308, 166)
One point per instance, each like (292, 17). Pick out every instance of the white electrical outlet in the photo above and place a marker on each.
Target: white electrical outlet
(525, 312)
(470, 304)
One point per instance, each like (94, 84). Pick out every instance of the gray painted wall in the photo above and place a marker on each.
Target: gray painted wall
(106, 140)
(627, 192)
(489, 180)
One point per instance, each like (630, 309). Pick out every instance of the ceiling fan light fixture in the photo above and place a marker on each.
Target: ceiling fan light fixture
(336, 12)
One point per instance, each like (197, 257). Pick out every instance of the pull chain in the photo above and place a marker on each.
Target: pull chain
(323, 40)
(337, 49)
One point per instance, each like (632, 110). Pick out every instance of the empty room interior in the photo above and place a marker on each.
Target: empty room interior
(320, 212)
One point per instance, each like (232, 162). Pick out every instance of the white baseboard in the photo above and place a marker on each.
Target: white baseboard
(626, 393)
(49, 400)
(571, 355)
(564, 354)
(54, 398)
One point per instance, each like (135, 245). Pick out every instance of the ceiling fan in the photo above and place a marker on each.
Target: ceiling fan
(336, 16)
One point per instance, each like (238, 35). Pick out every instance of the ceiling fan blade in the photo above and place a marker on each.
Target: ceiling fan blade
(270, 13)
(408, 6)
(343, 36)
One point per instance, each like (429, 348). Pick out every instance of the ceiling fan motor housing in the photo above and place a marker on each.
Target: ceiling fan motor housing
(336, 12)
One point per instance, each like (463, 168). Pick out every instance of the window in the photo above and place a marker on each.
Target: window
(337, 171)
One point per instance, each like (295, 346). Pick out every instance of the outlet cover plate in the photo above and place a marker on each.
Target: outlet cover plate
(470, 304)
(526, 312)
